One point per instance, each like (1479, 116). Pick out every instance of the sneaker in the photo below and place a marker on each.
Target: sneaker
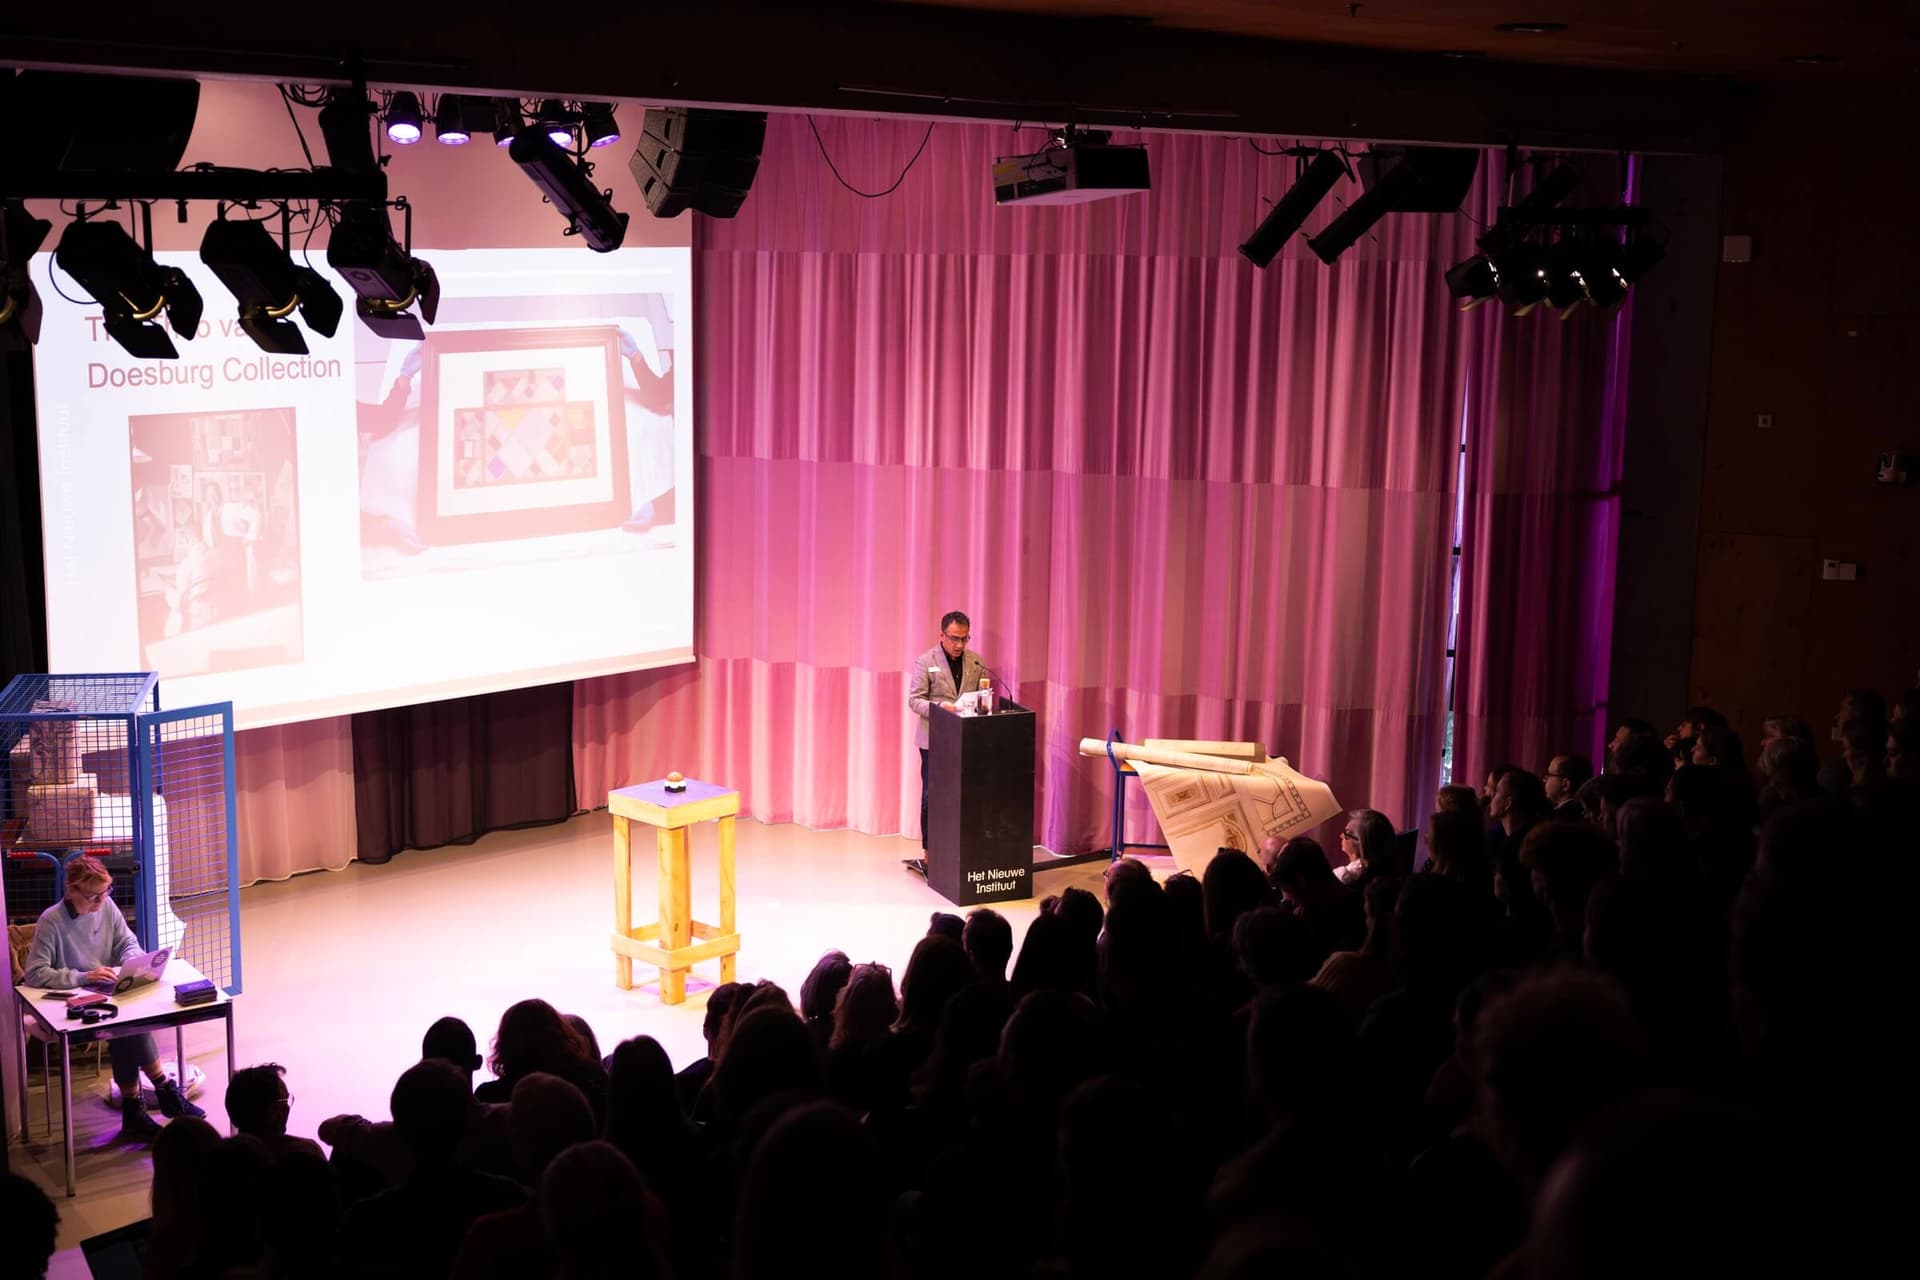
(173, 1104)
(135, 1124)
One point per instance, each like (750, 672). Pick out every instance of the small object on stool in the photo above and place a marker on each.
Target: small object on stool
(675, 782)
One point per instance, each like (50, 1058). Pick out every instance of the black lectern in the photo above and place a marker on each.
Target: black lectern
(980, 806)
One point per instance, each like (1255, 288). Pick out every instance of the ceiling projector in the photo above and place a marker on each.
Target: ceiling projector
(1077, 166)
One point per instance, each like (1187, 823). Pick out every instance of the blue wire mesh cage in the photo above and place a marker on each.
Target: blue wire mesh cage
(92, 766)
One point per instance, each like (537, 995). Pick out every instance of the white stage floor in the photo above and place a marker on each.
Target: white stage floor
(344, 970)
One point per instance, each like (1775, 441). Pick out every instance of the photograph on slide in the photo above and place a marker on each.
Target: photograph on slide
(518, 431)
(216, 531)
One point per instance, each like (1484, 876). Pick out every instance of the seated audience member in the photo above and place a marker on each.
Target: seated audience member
(1360, 976)
(988, 940)
(1623, 733)
(1789, 774)
(820, 990)
(1122, 871)
(946, 925)
(179, 1197)
(1866, 706)
(812, 1201)
(1903, 749)
(1463, 1213)
(1332, 911)
(416, 1228)
(693, 1077)
(368, 1155)
(1273, 946)
(1317, 1162)
(1367, 843)
(1671, 1186)
(644, 1120)
(1457, 846)
(1778, 727)
(598, 1215)
(1679, 743)
(84, 939)
(1555, 1052)
(33, 1228)
(1654, 843)
(259, 1103)
(547, 1115)
(1565, 775)
(589, 1042)
(1864, 750)
(1058, 954)
(862, 1021)
(1718, 747)
(533, 1036)
(1566, 860)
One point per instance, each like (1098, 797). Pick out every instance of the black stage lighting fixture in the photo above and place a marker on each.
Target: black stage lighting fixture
(131, 288)
(567, 182)
(458, 116)
(1473, 282)
(21, 235)
(405, 124)
(1425, 180)
(343, 123)
(1522, 276)
(507, 120)
(387, 280)
(1291, 209)
(270, 286)
(1568, 262)
(601, 128)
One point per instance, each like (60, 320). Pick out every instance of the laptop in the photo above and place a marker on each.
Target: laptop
(138, 971)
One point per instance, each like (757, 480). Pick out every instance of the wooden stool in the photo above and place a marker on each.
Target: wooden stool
(669, 942)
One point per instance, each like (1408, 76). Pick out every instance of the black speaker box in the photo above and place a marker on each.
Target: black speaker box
(698, 158)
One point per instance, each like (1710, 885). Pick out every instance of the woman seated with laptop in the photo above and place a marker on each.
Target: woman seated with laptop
(79, 941)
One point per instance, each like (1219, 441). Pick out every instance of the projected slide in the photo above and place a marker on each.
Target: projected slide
(506, 502)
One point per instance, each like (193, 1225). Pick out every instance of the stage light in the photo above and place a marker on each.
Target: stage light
(269, 285)
(507, 120)
(1568, 263)
(21, 235)
(602, 129)
(567, 182)
(1473, 281)
(554, 117)
(131, 288)
(1521, 273)
(1291, 209)
(452, 124)
(343, 123)
(1424, 180)
(386, 279)
(403, 118)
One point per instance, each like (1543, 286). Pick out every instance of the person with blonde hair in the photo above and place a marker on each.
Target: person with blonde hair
(84, 938)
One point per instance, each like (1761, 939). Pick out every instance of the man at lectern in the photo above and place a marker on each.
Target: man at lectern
(939, 677)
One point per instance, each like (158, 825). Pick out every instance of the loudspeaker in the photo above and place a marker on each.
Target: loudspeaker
(698, 158)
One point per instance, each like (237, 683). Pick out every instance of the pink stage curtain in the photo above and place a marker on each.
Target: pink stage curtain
(1179, 496)
(1546, 424)
(296, 811)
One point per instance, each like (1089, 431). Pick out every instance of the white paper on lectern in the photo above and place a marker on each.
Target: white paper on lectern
(1201, 811)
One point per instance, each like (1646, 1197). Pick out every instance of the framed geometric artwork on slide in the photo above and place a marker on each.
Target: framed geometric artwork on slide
(523, 433)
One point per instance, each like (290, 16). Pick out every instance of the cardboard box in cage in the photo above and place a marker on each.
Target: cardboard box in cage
(60, 812)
